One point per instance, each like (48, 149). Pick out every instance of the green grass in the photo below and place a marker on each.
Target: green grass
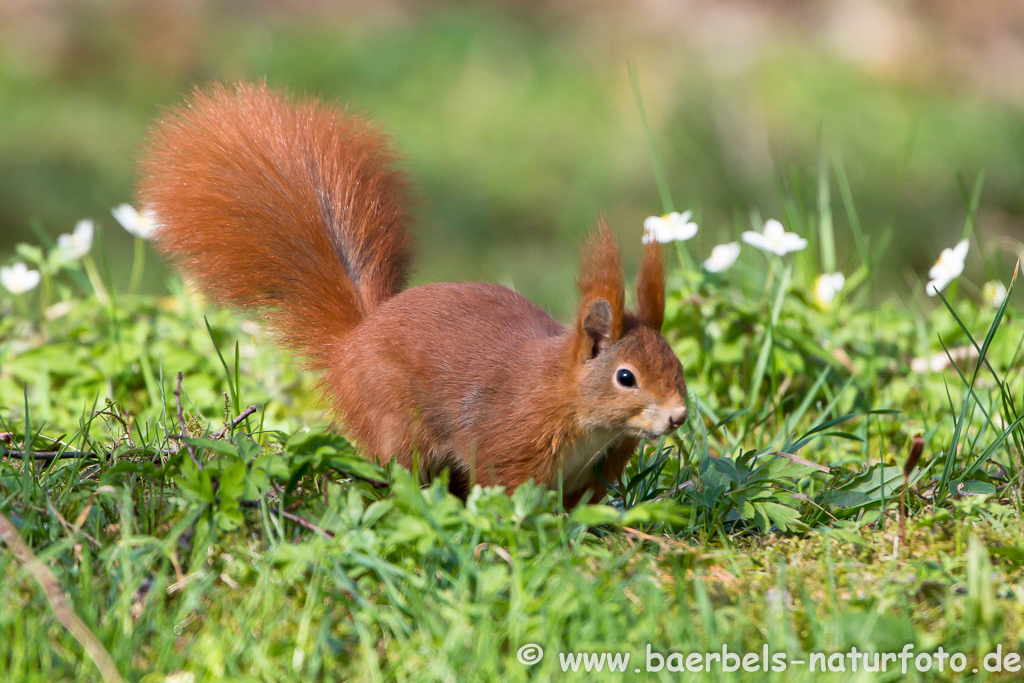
(268, 550)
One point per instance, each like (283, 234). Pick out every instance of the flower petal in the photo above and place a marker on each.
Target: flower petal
(73, 246)
(654, 229)
(755, 239)
(936, 285)
(791, 242)
(773, 229)
(141, 225)
(950, 264)
(83, 233)
(960, 251)
(722, 257)
(18, 279)
(682, 228)
(669, 228)
(775, 239)
(826, 286)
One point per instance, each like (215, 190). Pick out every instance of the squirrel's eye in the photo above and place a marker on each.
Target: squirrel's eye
(625, 378)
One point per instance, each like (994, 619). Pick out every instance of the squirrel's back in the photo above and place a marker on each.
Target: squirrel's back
(266, 201)
(468, 376)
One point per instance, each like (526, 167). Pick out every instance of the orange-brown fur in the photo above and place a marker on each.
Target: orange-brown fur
(294, 210)
(650, 287)
(257, 197)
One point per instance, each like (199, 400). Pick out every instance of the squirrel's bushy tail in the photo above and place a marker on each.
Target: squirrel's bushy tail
(287, 207)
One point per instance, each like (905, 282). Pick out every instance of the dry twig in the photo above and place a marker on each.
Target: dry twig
(221, 433)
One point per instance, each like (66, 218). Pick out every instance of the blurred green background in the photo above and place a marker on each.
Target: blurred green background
(519, 125)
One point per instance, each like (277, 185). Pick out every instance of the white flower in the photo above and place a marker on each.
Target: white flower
(18, 279)
(994, 293)
(669, 228)
(139, 224)
(73, 246)
(722, 257)
(775, 239)
(826, 286)
(947, 268)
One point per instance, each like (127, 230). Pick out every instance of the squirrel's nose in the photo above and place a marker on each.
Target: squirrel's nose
(677, 416)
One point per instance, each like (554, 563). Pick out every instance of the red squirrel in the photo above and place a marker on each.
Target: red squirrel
(295, 210)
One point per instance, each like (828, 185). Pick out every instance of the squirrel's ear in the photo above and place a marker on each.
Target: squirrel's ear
(650, 287)
(596, 328)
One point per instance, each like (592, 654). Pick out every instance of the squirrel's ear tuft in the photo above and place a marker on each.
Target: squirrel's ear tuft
(650, 288)
(601, 275)
(602, 299)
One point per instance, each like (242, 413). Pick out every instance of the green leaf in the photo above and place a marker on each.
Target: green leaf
(977, 487)
(664, 511)
(770, 513)
(596, 515)
(216, 445)
(872, 486)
